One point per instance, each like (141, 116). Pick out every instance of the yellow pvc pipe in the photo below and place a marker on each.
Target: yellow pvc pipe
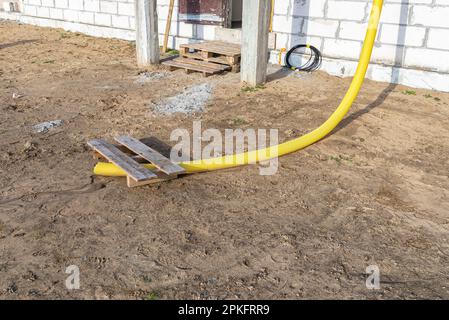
(109, 169)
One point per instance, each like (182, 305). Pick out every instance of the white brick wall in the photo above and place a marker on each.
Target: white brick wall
(105, 18)
(412, 46)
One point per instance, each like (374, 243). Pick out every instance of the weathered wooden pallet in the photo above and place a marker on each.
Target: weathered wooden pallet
(190, 65)
(214, 51)
(235, 66)
(210, 48)
(127, 160)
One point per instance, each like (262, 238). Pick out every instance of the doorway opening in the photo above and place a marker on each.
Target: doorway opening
(236, 14)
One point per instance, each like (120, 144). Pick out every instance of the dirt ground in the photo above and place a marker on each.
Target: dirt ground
(375, 192)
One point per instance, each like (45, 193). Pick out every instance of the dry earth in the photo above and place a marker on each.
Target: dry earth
(375, 192)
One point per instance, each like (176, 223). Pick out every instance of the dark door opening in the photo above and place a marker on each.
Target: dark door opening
(226, 13)
(236, 14)
(213, 12)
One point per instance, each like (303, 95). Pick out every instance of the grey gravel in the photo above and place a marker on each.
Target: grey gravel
(191, 100)
(145, 77)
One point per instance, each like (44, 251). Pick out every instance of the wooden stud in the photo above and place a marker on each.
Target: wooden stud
(270, 29)
(227, 6)
(168, 26)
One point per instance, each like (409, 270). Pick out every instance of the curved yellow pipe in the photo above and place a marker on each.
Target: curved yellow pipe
(109, 169)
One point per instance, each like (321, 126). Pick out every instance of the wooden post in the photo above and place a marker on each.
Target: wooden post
(147, 38)
(168, 26)
(227, 19)
(256, 20)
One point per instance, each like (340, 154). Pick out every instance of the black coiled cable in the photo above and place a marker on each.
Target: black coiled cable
(312, 64)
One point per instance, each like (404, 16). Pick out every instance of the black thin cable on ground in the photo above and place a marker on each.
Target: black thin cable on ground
(312, 64)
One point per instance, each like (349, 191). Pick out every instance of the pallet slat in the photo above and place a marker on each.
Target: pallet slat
(217, 47)
(187, 67)
(162, 163)
(162, 177)
(196, 65)
(204, 64)
(230, 61)
(114, 155)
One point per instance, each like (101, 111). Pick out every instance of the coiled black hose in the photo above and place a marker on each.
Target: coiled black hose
(312, 64)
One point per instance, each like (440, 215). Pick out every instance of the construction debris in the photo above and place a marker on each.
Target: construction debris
(192, 100)
(145, 77)
(44, 127)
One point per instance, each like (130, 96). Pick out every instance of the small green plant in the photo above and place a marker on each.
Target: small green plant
(429, 96)
(42, 61)
(340, 158)
(237, 122)
(336, 159)
(253, 89)
(172, 52)
(64, 35)
(248, 89)
(152, 296)
(409, 92)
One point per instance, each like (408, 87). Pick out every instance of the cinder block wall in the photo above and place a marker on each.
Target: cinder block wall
(106, 18)
(103, 18)
(412, 47)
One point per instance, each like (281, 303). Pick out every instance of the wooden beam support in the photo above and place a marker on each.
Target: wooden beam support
(147, 38)
(256, 21)
(227, 19)
(168, 26)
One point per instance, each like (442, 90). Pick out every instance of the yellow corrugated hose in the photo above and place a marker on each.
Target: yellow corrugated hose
(109, 169)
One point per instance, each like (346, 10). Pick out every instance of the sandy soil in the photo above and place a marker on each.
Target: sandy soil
(376, 192)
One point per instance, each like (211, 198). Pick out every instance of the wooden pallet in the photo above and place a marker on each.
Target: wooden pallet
(137, 174)
(214, 51)
(190, 65)
(210, 48)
